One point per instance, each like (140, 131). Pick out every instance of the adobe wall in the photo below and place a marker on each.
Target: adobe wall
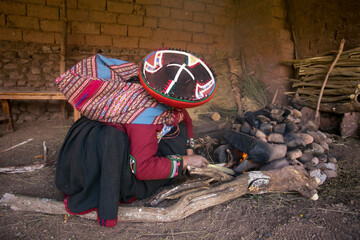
(30, 36)
(259, 32)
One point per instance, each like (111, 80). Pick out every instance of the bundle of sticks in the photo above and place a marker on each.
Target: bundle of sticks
(341, 92)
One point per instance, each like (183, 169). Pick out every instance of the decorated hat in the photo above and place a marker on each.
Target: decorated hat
(177, 78)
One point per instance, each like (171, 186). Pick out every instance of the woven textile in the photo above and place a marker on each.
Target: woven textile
(98, 88)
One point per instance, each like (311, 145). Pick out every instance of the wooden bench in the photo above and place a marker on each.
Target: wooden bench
(7, 96)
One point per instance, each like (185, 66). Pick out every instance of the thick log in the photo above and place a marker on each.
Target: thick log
(339, 91)
(338, 108)
(332, 99)
(331, 84)
(289, 178)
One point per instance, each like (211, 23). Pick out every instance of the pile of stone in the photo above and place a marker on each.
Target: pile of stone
(278, 136)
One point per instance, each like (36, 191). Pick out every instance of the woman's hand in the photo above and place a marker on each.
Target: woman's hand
(190, 152)
(194, 161)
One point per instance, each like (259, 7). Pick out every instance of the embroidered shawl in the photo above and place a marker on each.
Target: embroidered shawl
(99, 88)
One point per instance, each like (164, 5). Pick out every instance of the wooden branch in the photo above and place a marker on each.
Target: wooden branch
(17, 145)
(200, 183)
(317, 114)
(289, 178)
(338, 108)
(22, 169)
(332, 99)
(211, 172)
(235, 72)
(331, 92)
(331, 84)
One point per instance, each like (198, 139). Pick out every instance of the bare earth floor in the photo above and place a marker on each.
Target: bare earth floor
(336, 215)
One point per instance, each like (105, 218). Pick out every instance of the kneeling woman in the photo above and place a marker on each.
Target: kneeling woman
(135, 134)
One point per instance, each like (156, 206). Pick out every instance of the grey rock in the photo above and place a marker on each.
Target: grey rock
(329, 166)
(296, 113)
(279, 128)
(325, 146)
(275, 138)
(332, 160)
(306, 138)
(291, 126)
(292, 136)
(245, 128)
(294, 154)
(295, 143)
(316, 137)
(306, 157)
(321, 135)
(260, 134)
(319, 174)
(266, 128)
(315, 161)
(314, 149)
(330, 173)
(276, 164)
(295, 162)
(263, 119)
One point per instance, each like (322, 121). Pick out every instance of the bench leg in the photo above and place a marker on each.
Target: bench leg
(63, 109)
(77, 115)
(6, 106)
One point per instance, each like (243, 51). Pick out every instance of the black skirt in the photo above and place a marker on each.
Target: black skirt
(93, 169)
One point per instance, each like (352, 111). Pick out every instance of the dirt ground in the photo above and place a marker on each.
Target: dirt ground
(336, 215)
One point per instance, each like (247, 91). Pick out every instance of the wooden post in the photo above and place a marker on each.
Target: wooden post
(63, 38)
(6, 106)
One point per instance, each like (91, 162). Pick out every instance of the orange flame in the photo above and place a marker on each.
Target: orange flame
(244, 155)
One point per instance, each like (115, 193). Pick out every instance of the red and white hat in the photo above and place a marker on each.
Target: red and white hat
(177, 78)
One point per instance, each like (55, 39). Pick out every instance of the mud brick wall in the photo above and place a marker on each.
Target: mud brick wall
(30, 36)
(258, 32)
(202, 26)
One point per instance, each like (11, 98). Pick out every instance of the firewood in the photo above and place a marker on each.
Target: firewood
(235, 73)
(335, 107)
(332, 99)
(317, 114)
(289, 178)
(188, 185)
(327, 92)
(22, 169)
(17, 145)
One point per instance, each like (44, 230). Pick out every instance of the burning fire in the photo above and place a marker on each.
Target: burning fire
(244, 155)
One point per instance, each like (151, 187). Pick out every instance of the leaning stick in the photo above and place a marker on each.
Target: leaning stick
(289, 178)
(22, 169)
(17, 145)
(317, 114)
